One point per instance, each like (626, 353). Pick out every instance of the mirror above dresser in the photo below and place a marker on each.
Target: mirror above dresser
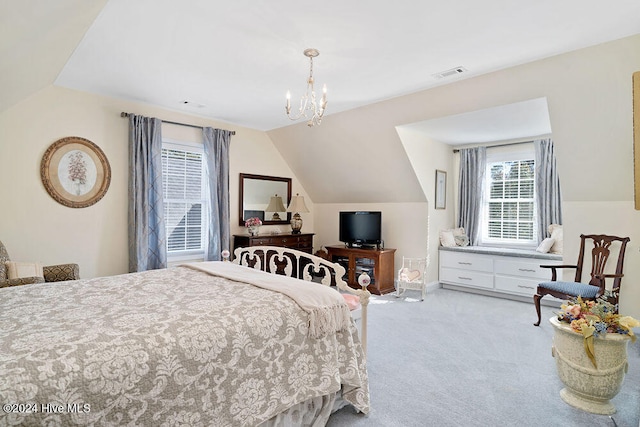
(264, 197)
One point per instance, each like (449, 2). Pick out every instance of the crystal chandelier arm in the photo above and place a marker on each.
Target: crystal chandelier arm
(302, 110)
(323, 103)
(309, 108)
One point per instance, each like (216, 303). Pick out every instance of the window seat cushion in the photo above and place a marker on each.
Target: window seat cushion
(491, 250)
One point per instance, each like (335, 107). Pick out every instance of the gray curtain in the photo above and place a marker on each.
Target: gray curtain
(548, 195)
(472, 169)
(216, 151)
(147, 234)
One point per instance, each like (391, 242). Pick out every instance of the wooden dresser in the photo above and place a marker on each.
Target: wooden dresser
(302, 242)
(378, 264)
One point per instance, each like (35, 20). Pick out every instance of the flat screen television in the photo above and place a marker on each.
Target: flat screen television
(361, 228)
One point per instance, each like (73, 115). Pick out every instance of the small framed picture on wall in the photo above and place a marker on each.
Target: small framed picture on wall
(441, 189)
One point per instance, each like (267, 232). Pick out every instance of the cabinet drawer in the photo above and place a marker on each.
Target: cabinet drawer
(526, 269)
(464, 261)
(466, 278)
(303, 244)
(287, 242)
(261, 241)
(282, 241)
(305, 240)
(516, 285)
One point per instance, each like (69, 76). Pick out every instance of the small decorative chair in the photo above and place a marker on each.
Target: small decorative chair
(51, 273)
(412, 275)
(596, 286)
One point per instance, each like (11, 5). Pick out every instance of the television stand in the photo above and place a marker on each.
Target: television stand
(362, 246)
(377, 263)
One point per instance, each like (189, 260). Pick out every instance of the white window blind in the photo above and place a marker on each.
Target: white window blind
(509, 215)
(185, 200)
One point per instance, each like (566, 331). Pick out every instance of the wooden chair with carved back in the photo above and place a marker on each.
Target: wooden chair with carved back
(595, 288)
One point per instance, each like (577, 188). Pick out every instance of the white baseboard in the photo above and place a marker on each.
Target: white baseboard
(432, 286)
(549, 303)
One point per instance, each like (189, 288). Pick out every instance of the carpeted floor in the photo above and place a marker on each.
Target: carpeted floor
(460, 359)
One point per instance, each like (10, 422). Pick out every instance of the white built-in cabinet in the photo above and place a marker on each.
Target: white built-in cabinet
(509, 273)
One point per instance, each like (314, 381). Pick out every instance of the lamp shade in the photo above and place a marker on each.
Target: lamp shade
(297, 204)
(275, 204)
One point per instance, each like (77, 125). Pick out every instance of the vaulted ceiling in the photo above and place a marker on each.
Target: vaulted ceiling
(233, 61)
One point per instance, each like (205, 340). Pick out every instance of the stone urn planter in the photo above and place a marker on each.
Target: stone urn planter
(586, 387)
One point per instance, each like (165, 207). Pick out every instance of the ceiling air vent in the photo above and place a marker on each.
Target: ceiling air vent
(448, 73)
(187, 103)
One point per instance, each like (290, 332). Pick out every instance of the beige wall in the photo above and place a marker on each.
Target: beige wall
(590, 107)
(426, 156)
(618, 218)
(403, 226)
(34, 227)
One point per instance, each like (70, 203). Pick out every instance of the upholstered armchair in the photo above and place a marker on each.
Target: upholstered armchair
(51, 273)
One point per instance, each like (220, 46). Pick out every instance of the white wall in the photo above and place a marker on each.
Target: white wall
(34, 227)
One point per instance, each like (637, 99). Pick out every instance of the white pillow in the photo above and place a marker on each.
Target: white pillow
(556, 234)
(458, 231)
(545, 245)
(410, 275)
(17, 270)
(462, 240)
(447, 239)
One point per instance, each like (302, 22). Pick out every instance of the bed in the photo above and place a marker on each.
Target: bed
(212, 343)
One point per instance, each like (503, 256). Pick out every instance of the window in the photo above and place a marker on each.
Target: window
(509, 205)
(185, 200)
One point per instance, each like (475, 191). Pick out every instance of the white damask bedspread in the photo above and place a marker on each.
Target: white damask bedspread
(165, 347)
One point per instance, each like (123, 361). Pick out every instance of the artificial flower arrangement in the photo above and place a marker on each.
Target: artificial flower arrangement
(594, 319)
(253, 222)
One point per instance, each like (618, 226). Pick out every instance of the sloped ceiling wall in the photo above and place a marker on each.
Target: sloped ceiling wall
(36, 42)
(361, 147)
(350, 158)
(589, 97)
(364, 143)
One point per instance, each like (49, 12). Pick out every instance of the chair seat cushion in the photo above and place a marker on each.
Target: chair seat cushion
(572, 288)
(407, 275)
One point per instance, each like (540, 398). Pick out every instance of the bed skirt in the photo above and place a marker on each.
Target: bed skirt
(314, 412)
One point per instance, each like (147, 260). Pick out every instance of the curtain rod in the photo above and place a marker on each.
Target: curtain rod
(455, 150)
(123, 114)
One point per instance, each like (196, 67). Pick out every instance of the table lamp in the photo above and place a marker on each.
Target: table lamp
(297, 205)
(275, 206)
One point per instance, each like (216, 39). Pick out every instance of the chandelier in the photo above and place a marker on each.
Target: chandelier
(309, 108)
